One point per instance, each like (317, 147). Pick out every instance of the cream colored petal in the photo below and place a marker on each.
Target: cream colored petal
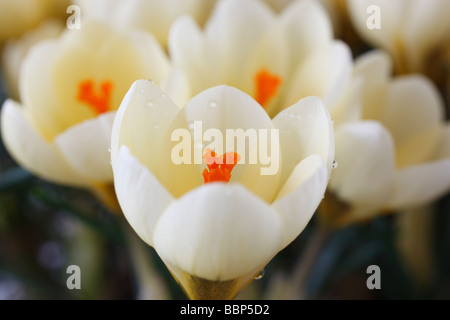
(307, 26)
(305, 129)
(374, 69)
(232, 32)
(366, 164)
(324, 73)
(374, 66)
(141, 121)
(301, 195)
(443, 150)
(391, 17)
(204, 122)
(426, 27)
(218, 232)
(156, 16)
(188, 52)
(177, 87)
(414, 111)
(36, 90)
(15, 51)
(421, 184)
(140, 194)
(86, 147)
(31, 151)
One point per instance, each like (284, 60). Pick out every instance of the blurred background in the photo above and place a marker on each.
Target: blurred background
(45, 228)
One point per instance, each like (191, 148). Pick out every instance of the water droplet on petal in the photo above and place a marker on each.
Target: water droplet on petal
(191, 125)
(334, 165)
(149, 104)
(212, 104)
(260, 275)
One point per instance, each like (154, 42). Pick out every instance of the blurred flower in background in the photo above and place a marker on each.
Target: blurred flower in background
(386, 90)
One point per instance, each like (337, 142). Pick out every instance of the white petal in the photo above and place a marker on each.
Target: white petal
(391, 16)
(300, 196)
(141, 121)
(426, 27)
(374, 69)
(218, 232)
(366, 163)
(188, 52)
(443, 151)
(36, 90)
(215, 111)
(325, 73)
(308, 28)
(233, 30)
(86, 147)
(140, 194)
(31, 151)
(305, 129)
(421, 184)
(414, 114)
(177, 87)
(413, 105)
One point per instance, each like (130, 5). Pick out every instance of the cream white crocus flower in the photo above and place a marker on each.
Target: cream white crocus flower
(276, 58)
(154, 16)
(70, 89)
(216, 223)
(398, 156)
(19, 16)
(412, 31)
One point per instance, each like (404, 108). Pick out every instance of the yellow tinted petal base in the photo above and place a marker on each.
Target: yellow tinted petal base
(197, 288)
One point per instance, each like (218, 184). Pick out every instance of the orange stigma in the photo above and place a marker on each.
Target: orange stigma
(267, 85)
(219, 167)
(99, 102)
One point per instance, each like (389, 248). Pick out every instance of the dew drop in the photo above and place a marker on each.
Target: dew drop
(212, 104)
(149, 104)
(191, 125)
(334, 165)
(260, 275)
(109, 150)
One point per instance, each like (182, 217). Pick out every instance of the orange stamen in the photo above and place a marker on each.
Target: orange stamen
(219, 167)
(100, 102)
(267, 85)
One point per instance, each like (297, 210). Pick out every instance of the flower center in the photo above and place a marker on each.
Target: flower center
(219, 167)
(267, 85)
(98, 101)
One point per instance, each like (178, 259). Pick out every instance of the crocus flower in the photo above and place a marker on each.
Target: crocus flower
(412, 31)
(216, 223)
(397, 156)
(276, 58)
(70, 88)
(154, 16)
